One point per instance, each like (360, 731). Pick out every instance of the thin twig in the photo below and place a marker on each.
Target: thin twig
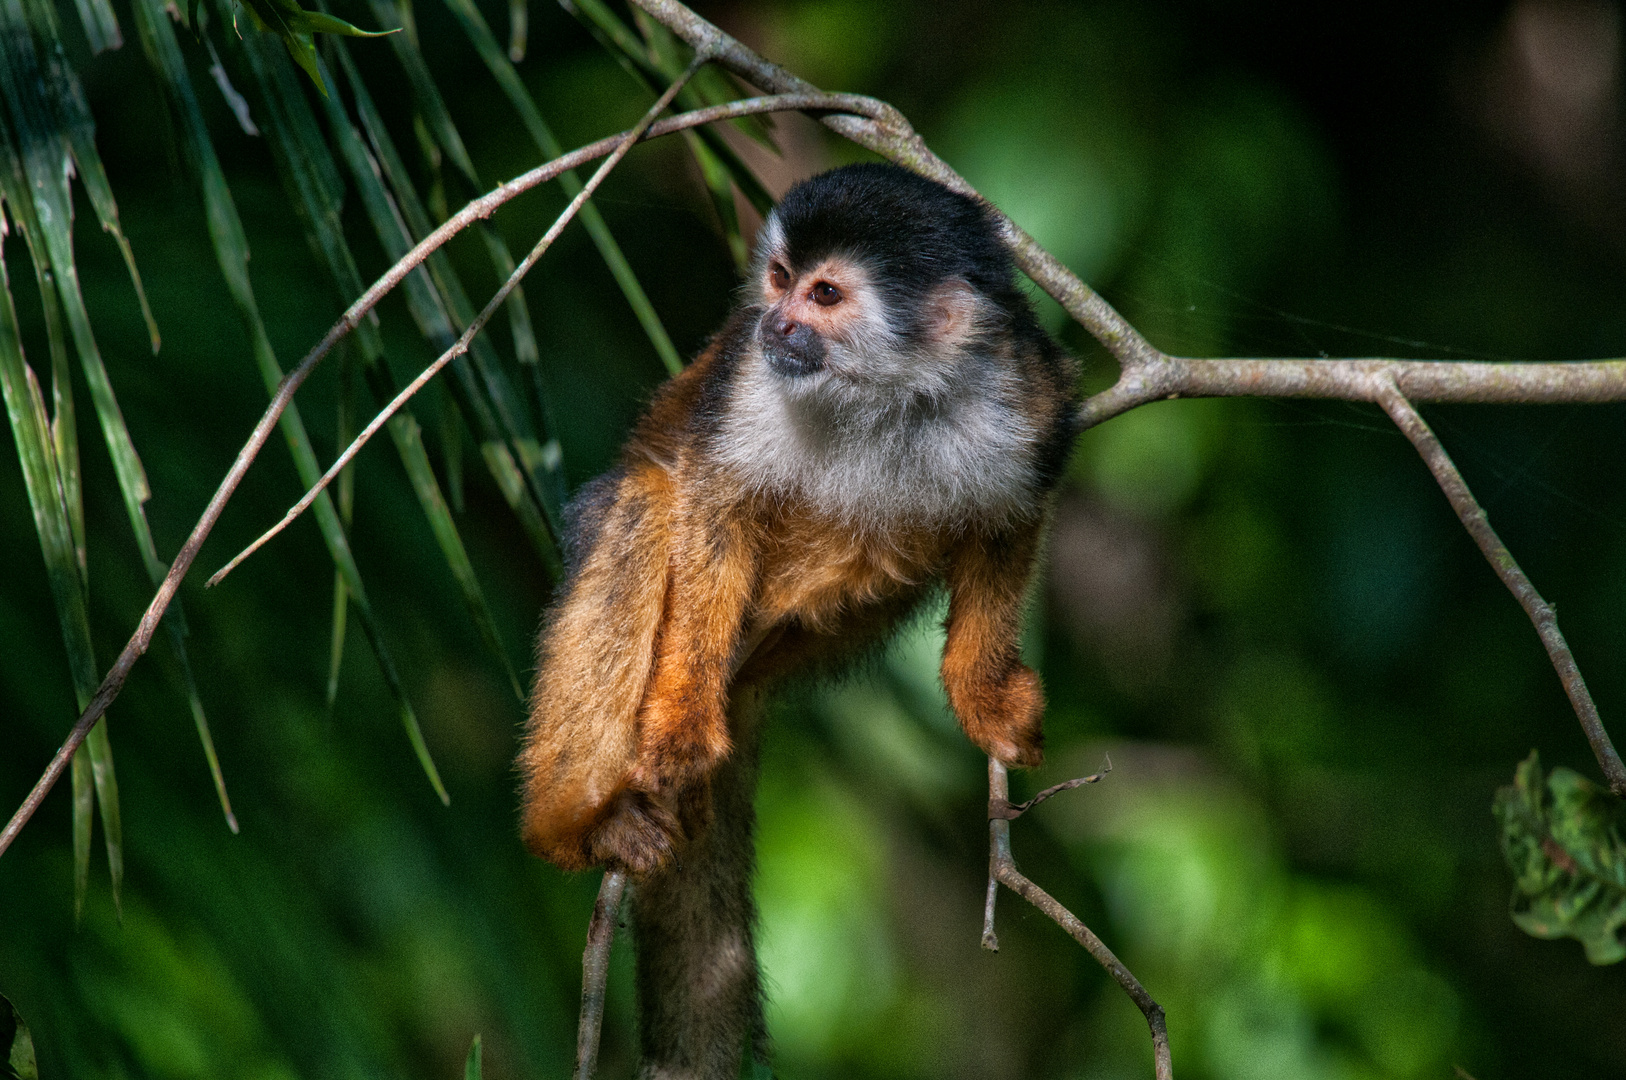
(1541, 613)
(596, 970)
(1005, 810)
(461, 345)
(1002, 868)
(482, 207)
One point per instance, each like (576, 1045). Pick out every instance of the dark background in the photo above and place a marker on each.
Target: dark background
(1309, 681)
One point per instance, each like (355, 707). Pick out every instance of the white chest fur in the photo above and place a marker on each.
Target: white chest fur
(877, 456)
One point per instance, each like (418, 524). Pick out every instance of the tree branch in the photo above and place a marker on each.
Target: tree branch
(1002, 869)
(1541, 613)
(596, 970)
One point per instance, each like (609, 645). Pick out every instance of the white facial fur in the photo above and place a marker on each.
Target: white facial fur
(888, 432)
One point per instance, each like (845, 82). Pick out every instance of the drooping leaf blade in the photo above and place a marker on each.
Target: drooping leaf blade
(33, 183)
(71, 116)
(518, 20)
(435, 297)
(297, 27)
(438, 119)
(637, 59)
(60, 125)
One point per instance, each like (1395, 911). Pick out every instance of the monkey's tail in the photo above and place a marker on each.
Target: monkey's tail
(595, 660)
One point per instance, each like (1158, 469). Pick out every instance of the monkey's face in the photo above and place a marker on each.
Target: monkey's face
(829, 324)
(808, 312)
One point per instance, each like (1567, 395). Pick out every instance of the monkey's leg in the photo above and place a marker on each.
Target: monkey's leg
(997, 698)
(699, 995)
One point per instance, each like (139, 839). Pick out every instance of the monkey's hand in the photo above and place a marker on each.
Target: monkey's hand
(639, 832)
(640, 822)
(666, 799)
(628, 826)
(1004, 718)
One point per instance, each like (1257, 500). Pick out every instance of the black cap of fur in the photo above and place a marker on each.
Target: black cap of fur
(911, 232)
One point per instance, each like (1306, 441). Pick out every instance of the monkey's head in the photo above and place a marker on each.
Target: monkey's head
(872, 278)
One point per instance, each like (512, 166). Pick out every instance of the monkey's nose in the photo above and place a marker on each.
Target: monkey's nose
(792, 348)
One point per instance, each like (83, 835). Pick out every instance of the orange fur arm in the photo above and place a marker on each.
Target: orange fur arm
(683, 726)
(997, 698)
(595, 659)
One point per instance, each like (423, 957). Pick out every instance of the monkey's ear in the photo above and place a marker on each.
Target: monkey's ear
(952, 309)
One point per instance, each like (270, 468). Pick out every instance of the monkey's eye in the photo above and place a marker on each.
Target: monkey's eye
(779, 277)
(826, 294)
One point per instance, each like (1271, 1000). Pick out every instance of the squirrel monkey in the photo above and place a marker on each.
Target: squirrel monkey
(881, 412)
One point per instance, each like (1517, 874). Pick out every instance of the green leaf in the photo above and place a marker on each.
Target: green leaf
(71, 117)
(709, 86)
(647, 66)
(1562, 838)
(471, 1067)
(518, 17)
(344, 429)
(520, 450)
(84, 820)
(101, 25)
(297, 27)
(48, 451)
(48, 231)
(107, 801)
(432, 107)
(16, 1045)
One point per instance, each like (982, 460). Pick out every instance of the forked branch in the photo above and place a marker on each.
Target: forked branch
(1002, 871)
(1541, 613)
(1149, 374)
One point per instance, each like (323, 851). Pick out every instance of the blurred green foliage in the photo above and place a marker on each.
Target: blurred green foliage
(18, 1044)
(1562, 836)
(1310, 685)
